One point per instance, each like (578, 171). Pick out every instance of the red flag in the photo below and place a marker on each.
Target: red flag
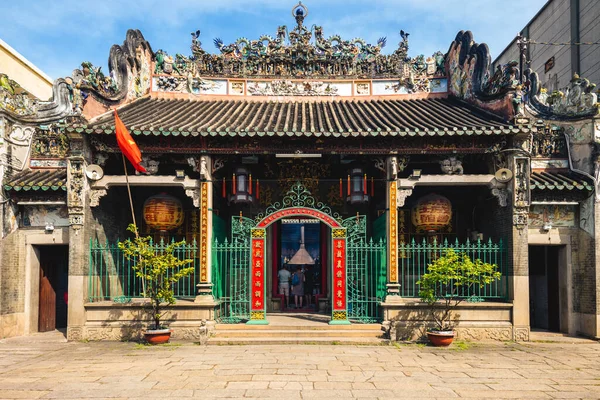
(127, 144)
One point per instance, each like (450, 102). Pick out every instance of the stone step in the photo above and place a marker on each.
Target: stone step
(297, 333)
(220, 341)
(291, 326)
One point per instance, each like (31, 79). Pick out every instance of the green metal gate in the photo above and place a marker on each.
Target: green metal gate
(231, 273)
(366, 272)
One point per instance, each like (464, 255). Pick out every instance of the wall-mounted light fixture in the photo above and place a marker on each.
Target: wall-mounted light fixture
(49, 227)
(416, 174)
(180, 174)
(547, 226)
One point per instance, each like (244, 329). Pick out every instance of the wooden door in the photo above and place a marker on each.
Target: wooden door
(47, 312)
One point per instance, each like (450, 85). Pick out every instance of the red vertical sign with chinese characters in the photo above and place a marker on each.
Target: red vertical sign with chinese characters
(258, 262)
(339, 274)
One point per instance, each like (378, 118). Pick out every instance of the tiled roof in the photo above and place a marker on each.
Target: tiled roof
(568, 180)
(231, 117)
(55, 179)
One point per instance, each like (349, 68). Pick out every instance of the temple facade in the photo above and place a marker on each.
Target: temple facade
(363, 163)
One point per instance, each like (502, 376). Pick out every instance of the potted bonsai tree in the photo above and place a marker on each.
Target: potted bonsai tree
(159, 270)
(446, 284)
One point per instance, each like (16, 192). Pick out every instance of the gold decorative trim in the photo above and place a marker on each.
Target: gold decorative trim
(258, 233)
(338, 233)
(204, 232)
(393, 232)
(339, 316)
(257, 315)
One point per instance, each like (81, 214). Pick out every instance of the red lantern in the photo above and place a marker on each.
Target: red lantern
(432, 213)
(163, 212)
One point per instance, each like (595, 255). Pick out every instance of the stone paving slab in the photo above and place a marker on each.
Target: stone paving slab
(32, 368)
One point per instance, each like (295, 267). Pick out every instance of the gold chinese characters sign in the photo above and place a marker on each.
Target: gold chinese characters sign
(257, 270)
(204, 232)
(393, 233)
(339, 274)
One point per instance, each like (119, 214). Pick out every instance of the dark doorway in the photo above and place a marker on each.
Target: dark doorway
(54, 278)
(299, 246)
(544, 299)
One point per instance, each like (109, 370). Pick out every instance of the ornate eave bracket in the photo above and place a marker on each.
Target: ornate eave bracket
(100, 187)
(401, 195)
(502, 196)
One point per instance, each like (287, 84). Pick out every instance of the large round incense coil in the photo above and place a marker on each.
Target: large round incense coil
(163, 212)
(432, 213)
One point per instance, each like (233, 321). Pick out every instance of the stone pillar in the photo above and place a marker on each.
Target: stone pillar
(78, 249)
(206, 203)
(518, 246)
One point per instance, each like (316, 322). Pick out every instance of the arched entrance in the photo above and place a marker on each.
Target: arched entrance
(356, 267)
(339, 306)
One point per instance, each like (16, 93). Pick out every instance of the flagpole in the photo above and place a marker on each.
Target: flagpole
(132, 210)
(129, 192)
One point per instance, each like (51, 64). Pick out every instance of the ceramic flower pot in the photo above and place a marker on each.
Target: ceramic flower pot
(157, 336)
(440, 338)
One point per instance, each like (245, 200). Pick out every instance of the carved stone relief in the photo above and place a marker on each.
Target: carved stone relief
(403, 194)
(75, 194)
(478, 334)
(95, 196)
(522, 185)
(18, 137)
(451, 166)
(501, 195)
(194, 194)
(521, 217)
(521, 334)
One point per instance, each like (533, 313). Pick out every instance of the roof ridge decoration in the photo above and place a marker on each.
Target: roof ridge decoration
(20, 105)
(469, 63)
(575, 101)
(301, 53)
(128, 77)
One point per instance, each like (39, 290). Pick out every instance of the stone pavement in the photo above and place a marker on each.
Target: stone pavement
(45, 366)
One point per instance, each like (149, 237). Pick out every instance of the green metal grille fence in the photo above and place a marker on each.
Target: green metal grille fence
(414, 258)
(366, 280)
(231, 280)
(111, 278)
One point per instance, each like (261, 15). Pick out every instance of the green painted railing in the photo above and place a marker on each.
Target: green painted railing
(367, 280)
(414, 257)
(111, 278)
(231, 280)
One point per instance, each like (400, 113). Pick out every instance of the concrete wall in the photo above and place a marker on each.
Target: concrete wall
(556, 23)
(19, 69)
(589, 31)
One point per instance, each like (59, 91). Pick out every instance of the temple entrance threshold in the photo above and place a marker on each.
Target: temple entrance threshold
(297, 328)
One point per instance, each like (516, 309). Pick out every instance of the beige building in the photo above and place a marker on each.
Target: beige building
(21, 70)
(561, 21)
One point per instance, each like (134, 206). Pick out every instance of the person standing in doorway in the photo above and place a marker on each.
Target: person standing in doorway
(284, 276)
(298, 286)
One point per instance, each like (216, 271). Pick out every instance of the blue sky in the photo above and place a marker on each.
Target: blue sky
(58, 35)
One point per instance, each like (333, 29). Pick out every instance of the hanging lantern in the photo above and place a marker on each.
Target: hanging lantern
(432, 213)
(357, 186)
(241, 182)
(163, 212)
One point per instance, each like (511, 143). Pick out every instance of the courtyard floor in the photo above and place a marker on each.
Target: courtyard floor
(45, 366)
